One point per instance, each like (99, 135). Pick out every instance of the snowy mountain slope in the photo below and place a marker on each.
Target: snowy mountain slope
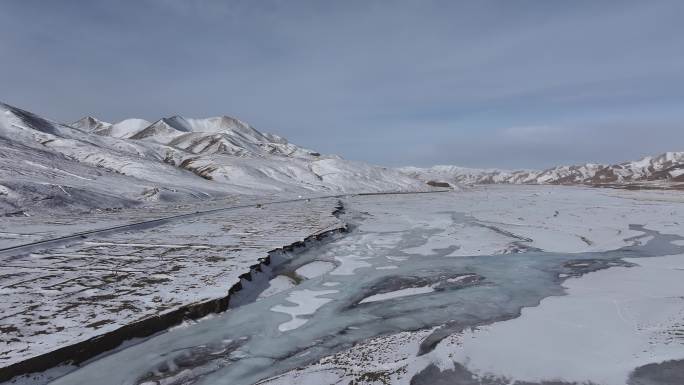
(664, 168)
(124, 129)
(92, 163)
(47, 165)
(465, 175)
(229, 151)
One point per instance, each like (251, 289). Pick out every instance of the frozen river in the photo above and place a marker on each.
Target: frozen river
(488, 286)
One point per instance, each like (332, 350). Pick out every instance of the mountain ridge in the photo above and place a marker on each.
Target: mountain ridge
(92, 163)
(655, 171)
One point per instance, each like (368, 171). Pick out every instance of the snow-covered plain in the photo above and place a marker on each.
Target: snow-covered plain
(599, 310)
(623, 318)
(58, 296)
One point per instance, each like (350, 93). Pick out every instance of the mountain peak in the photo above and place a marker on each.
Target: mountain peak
(89, 124)
(29, 120)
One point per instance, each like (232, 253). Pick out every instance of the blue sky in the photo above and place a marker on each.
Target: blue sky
(484, 83)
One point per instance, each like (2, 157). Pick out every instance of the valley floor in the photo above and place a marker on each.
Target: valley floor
(112, 283)
(490, 285)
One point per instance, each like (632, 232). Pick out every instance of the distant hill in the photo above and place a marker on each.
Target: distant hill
(664, 170)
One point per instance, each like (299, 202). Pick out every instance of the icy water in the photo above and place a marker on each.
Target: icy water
(390, 273)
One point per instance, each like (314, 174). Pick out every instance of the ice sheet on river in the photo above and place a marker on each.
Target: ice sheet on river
(516, 274)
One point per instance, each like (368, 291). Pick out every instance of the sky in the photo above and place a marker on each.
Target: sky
(508, 84)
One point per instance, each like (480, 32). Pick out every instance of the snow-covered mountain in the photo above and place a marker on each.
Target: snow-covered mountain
(91, 163)
(667, 168)
(123, 129)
